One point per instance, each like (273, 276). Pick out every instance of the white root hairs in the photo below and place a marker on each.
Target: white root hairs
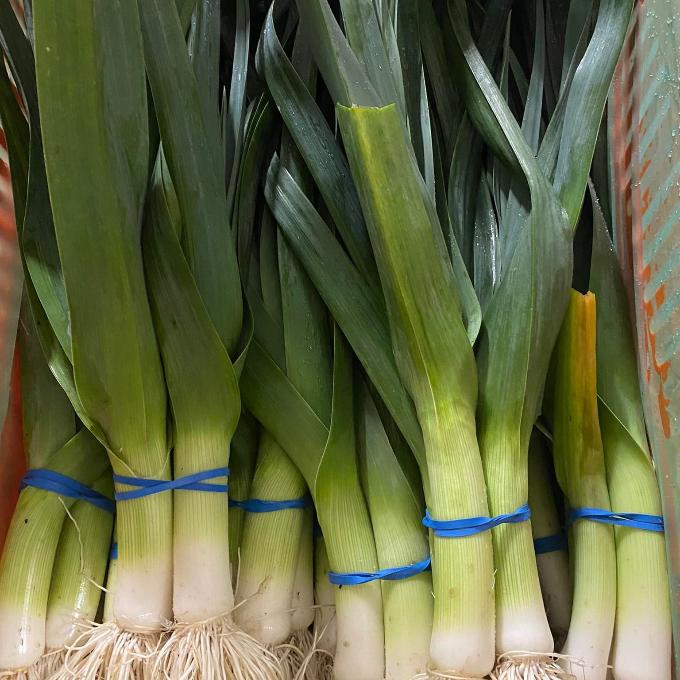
(302, 659)
(532, 666)
(215, 649)
(107, 651)
(46, 668)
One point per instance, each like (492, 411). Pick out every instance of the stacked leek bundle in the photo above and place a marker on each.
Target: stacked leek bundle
(303, 272)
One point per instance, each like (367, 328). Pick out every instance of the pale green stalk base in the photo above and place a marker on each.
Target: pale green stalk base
(592, 620)
(407, 607)
(25, 571)
(303, 586)
(344, 519)
(201, 579)
(270, 549)
(462, 568)
(641, 649)
(521, 621)
(359, 654)
(143, 597)
(325, 623)
(79, 569)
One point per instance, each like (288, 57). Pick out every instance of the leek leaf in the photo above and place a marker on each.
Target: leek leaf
(273, 400)
(234, 109)
(318, 147)
(355, 307)
(408, 41)
(47, 417)
(191, 147)
(204, 48)
(38, 241)
(256, 150)
(116, 363)
(339, 500)
(195, 361)
(584, 108)
(617, 374)
(365, 37)
(445, 94)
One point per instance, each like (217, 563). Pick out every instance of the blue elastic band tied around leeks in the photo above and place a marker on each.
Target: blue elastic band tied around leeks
(458, 528)
(258, 505)
(633, 520)
(59, 484)
(147, 487)
(548, 544)
(114, 551)
(391, 574)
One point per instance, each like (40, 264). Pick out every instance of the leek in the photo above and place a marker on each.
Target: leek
(111, 368)
(641, 649)
(437, 366)
(580, 467)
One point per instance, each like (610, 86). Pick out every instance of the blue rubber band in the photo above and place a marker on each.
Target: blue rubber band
(48, 480)
(458, 528)
(391, 574)
(114, 551)
(632, 520)
(548, 544)
(257, 505)
(147, 487)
